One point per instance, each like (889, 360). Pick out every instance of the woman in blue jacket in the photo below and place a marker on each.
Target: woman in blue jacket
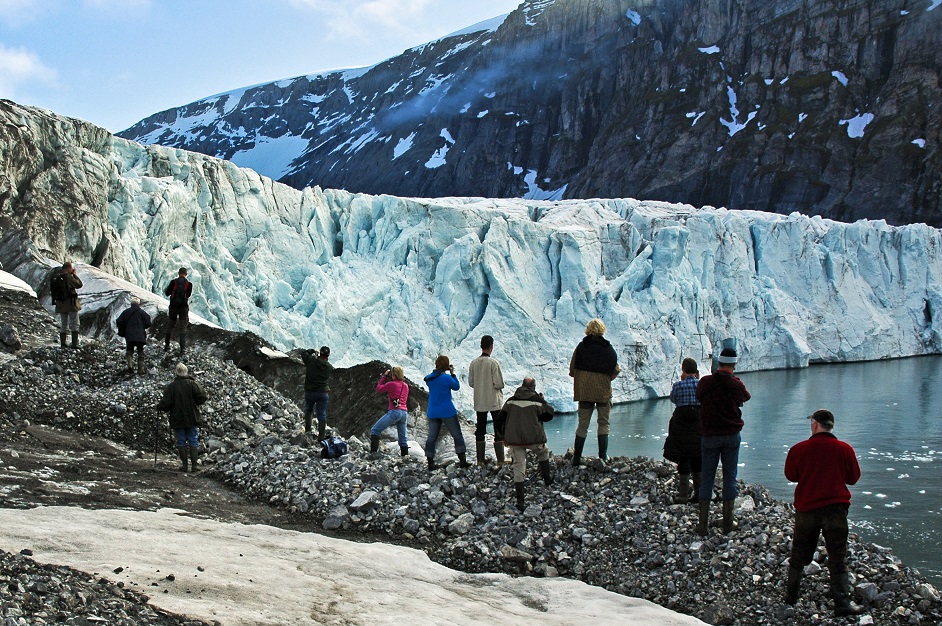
(441, 410)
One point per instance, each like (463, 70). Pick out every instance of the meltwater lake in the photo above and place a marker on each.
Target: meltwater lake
(889, 411)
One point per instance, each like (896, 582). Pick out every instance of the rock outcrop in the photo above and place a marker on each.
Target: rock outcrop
(829, 108)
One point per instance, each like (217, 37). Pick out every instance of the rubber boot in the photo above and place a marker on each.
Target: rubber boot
(695, 494)
(403, 450)
(703, 523)
(194, 452)
(518, 488)
(577, 450)
(181, 452)
(321, 430)
(130, 362)
(840, 593)
(374, 444)
(140, 364)
(792, 584)
(603, 447)
(182, 343)
(167, 343)
(462, 460)
(481, 450)
(431, 463)
(683, 489)
(729, 522)
(74, 339)
(307, 424)
(499, 451)
(62, 337)
(546, 473)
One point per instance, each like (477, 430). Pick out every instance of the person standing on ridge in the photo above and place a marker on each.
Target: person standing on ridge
(441, 410)
(397, 413)
(593, 367)
(62, 288)
(523, 416)
(181, 398)
(721, 397)
(682, 445)
(178, 291)
(822, 466)
(132, 325)
(487, 380)
(316, 388)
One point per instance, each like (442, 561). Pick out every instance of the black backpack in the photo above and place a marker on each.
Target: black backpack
(178, 292)
(58, 288)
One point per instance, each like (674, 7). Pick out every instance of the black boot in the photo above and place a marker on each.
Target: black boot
(181, 452)
(792, 584)
(62, 337)
(481, 450)
(499, 451)
(307, 424)
(74, 339)
(729, 522)
(521, 505)
(603, 447)
(167, 343)
(431, 463)
(374, 444)
(403, 450)
(130, 361)
(546, 473)
(840, 592)
(695, 494)
(462, 460)
(194, 452)
(140, 364)
(683, 489)
(182, 344)
(577, 450)
(702, 525)
(321, 430)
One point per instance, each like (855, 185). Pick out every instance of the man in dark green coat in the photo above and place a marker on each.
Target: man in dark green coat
(181, 398)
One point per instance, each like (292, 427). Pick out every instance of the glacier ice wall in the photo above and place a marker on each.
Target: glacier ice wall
(403, 280)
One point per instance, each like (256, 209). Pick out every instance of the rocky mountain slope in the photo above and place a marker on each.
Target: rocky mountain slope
(830, 107)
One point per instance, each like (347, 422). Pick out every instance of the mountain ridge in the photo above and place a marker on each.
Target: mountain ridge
(829, 108)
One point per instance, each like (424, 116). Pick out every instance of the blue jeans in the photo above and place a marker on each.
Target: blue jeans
(187, 436)
(316, 400)
(397, 417)
(712, 450)
(435, 427)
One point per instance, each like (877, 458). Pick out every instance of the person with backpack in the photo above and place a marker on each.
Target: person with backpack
(182, 398)
(62, 289)
(132, 325)
(523, 416)
(178, 291)
(392, 384)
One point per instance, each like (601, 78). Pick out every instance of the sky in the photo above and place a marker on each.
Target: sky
(114, 62)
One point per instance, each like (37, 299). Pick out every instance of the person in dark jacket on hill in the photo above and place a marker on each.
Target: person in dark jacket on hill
(316, 388)
(593, 367)
(523, 416)
(133, 324)
(822, 466)
(682, 445)
(178, 291)
(182, 398)
(721, 397)
(63, 285)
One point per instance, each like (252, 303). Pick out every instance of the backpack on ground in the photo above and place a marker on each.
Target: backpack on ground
(333, 447)
(58, 288)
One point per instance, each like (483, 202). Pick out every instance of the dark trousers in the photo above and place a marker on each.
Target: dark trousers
(132, 345)
(830, 521)
(481, 430)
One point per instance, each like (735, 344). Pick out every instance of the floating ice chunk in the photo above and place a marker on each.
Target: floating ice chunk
(840, 77)
(903, 476)
(892, 505)
(881, 496)
(856, 125)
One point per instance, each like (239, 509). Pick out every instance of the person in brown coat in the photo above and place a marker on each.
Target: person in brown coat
(182, 398)
(593, 367)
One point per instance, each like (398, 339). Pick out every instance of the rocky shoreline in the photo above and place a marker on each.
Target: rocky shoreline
(612, 525)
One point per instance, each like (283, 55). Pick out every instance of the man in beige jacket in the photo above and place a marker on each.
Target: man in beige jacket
(487, 380)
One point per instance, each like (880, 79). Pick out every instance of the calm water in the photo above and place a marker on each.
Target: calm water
(890, 411)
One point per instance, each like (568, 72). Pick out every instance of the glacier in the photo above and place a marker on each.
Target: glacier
(406, 279)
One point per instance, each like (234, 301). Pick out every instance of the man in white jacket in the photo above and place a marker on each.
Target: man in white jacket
(485, 377)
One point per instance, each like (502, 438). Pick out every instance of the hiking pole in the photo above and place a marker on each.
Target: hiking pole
(155, 442)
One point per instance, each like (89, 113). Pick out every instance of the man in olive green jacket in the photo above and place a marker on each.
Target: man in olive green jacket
(181, 398)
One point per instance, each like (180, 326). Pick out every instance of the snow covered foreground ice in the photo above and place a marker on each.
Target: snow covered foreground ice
(240, 574)
(403, 280)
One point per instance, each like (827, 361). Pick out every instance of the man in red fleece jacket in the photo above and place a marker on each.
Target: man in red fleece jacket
(822, 466)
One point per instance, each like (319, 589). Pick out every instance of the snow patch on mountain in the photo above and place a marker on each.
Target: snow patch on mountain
(271, 154)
